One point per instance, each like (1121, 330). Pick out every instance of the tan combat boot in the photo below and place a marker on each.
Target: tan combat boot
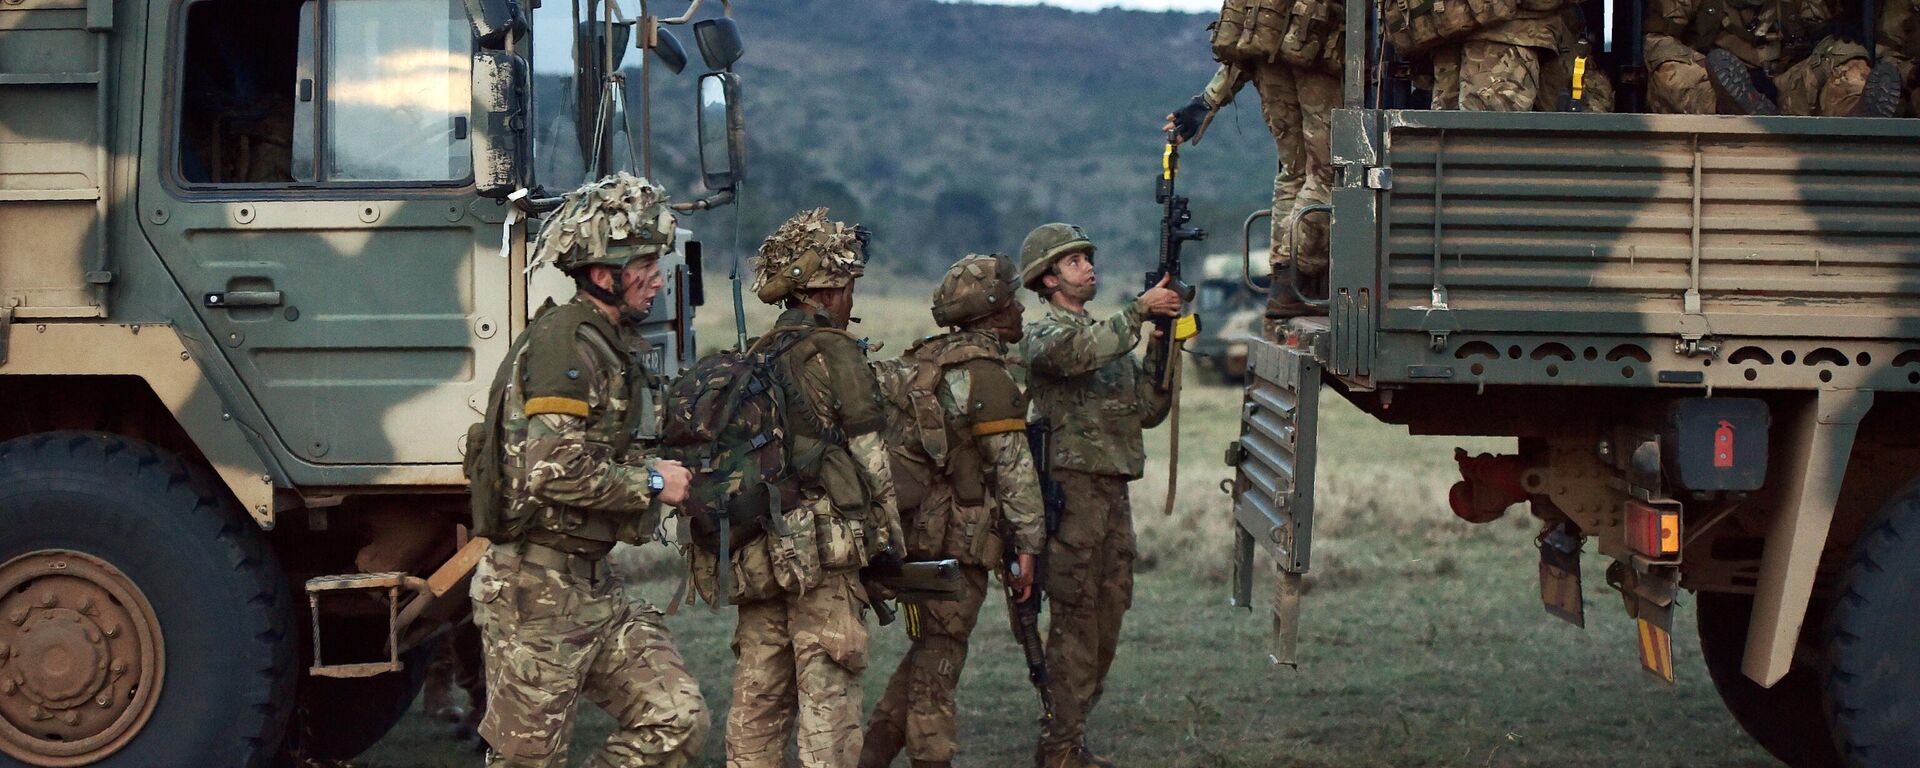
(1077, 756)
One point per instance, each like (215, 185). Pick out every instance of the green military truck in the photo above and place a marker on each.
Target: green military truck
(258, 262)
(1703, 331)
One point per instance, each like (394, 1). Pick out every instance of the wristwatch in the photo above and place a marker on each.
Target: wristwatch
(655, 482)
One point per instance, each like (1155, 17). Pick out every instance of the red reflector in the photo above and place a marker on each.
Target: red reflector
(1723, 445)
(1652, 531)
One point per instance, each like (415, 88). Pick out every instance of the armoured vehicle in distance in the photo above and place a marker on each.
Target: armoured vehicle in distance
(1704, 334)
(261, 259)
(1228, 296)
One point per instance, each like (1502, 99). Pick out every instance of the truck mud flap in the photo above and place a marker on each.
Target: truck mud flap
(1273, 464)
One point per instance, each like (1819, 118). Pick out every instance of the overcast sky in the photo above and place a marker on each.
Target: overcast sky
(1094, 5)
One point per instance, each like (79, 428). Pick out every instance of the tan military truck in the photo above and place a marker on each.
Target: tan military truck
(1229, 297)
(258, 262)
(1704, 334)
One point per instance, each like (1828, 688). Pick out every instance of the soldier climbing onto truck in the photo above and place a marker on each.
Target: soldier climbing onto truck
(558, 482)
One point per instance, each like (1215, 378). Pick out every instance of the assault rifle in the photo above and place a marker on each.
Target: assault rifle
(1174, 232)
(1024, 615)
(909, 582)
(1163, 353)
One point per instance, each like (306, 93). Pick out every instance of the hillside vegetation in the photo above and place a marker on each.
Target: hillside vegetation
(953, 128)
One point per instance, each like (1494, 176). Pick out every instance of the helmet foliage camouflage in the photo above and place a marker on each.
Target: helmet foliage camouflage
(610, 222)
(808, 251)
(1045, 245)
(974, 288)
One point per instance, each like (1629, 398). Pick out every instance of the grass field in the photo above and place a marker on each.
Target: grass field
(1422, 639)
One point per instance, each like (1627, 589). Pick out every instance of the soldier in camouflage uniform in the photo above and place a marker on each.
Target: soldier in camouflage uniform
(1498, 68)
(1899, 45)
(554, 622)
(988, 479)
(801, 641)
(1298, 94)
(1702, 57)
(1083, 378)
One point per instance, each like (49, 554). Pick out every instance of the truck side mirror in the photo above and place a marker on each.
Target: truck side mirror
(499, 123)
(672, 54)
(722, 130)
(622, 34)
(493, 20)
(719, 41)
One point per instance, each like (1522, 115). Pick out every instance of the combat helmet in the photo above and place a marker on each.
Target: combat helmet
(809, 251)
(1045, 245)
(607, 222)
(974, 288)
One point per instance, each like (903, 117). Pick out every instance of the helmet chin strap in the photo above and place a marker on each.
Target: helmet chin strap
(612, 298)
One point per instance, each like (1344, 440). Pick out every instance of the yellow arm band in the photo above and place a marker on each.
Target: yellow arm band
(562, 405)
(999, 426)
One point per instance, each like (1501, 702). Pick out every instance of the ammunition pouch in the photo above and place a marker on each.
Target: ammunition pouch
(1417, 26)
(1312, 36)
(795, 552)
(1249, 31)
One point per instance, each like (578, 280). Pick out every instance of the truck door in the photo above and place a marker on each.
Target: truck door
(306, 178)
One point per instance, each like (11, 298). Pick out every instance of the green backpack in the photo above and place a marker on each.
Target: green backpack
(726, 420)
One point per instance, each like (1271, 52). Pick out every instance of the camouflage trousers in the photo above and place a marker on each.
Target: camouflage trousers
(917, 709)
(1486, 76)
(1090, 581)
(551, 638)
(797, 676)
(1297, 104)
(1829, 82)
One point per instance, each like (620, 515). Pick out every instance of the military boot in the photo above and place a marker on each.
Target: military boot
(1734, 82)
(883, 743)
(1284, 302)
(1076, 756)
(1881, 97)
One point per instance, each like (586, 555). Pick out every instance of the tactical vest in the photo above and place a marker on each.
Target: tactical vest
(542, 375)
(939, 475)
(1417, 26)
(1304, 33)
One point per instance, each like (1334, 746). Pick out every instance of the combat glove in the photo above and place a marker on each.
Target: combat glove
(1187, 119)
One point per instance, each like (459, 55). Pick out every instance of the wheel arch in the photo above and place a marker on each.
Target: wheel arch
(143, 381)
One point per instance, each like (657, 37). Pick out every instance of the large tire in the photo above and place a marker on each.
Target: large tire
(1789, 720)
(1873, 659)
(195, 606)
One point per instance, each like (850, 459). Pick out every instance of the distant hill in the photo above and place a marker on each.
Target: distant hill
(951, 128)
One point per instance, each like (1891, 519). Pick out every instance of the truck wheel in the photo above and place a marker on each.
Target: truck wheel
(1873, 672)
(143, 620)
(1788, 720)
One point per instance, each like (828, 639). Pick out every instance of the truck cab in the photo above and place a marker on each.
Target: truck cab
(261, 261)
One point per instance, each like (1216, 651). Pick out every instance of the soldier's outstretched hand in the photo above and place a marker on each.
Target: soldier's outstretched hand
(1161, 301)
(1184, 122)
(677, 478)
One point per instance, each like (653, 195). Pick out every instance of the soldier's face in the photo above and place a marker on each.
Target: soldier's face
(1075, 275)
(1006, 323)
(642, 280)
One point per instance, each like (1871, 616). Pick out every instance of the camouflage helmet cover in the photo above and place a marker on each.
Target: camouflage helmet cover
(975, 287)
(808, 251)
(1045, 245)
(608, 222)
